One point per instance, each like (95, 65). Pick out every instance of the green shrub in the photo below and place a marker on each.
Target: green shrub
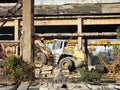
(118, 32)
(90, 76)
(17, 69)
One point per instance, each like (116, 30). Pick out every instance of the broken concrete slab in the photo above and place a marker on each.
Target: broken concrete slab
(46, 68)
(37, 72)
(11, 87)
(46, 72)
(2, 62)
(34, 87)
(23, 86)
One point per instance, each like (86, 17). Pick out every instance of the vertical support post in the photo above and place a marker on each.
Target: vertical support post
(79, 27)
(16, 27)
(16, 34)
(28, 30)
(86, 49)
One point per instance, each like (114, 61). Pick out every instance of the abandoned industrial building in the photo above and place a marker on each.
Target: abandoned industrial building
(60, 40)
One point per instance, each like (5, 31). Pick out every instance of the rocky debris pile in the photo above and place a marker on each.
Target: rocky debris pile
(74, 86)
(47, 73)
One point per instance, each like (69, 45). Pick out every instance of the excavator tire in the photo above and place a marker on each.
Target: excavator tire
(66, 64)
(42, 58)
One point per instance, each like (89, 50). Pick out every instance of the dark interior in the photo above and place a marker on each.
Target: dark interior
(73, 29)
(7, 33)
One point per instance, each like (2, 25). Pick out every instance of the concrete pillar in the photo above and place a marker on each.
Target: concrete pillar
(86, 49)
(28, 30)
(79, 27)
(88, 56)
(16, 33)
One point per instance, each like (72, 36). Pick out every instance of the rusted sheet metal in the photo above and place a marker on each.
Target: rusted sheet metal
(75, 35)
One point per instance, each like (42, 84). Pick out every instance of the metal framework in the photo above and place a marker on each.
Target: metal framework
(10, 13)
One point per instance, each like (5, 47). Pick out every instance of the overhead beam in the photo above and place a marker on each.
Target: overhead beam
(93, 21)
(104, 43)
(8, 42)
(9, 23)
(70, 22)
(101, 21)
(56, 22)
(75, 35)
(75, 41)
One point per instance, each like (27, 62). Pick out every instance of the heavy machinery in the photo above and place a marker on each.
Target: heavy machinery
(61, 55)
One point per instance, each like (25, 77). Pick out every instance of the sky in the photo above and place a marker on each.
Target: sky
(37, 2)
(101, 49)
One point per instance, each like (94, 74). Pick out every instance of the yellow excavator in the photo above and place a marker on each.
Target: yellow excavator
(61, 55)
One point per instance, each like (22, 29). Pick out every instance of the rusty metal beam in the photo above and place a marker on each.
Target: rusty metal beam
(74, 35)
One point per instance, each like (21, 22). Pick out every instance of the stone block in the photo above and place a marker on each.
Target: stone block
(2, 62)
(46, 72)
(38, 65)
(37, 73)
(46, 68)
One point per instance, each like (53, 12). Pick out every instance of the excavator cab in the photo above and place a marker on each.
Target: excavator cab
(58, 46)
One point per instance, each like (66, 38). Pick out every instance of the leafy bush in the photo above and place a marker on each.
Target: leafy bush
(92, 76)
(17, 69)
(118, 32)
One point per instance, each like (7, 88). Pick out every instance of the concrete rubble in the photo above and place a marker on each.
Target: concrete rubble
(8, 87)
(73, 86)
(64, 86)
